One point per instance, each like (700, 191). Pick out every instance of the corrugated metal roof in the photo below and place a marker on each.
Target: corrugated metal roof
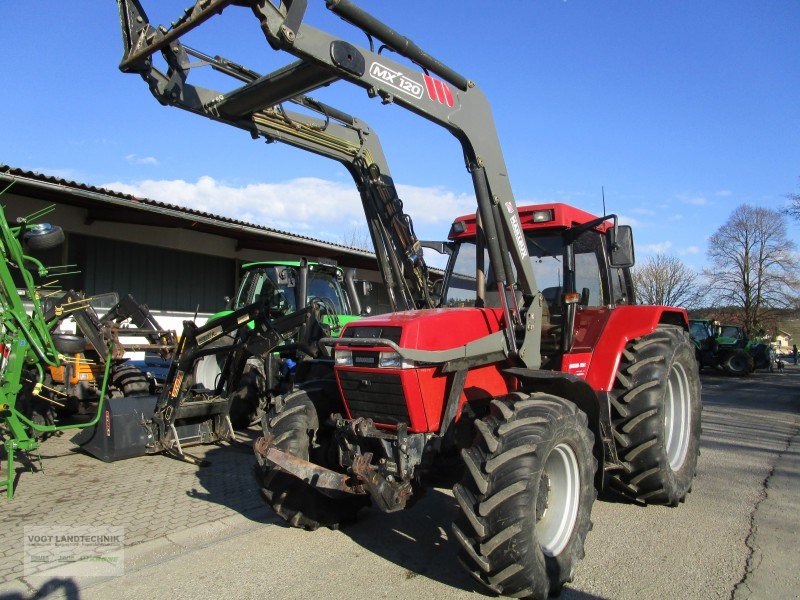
(175, 215)
(12, 173)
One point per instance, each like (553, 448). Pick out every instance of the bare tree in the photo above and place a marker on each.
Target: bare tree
(357, 237)
(666, 280)
(794, 208)
(753, 265)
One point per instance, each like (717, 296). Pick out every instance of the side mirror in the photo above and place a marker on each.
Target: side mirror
(620, 246)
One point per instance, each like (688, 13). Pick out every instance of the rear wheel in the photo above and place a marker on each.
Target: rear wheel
(656, 411)
(526, 496)
(295, 429)
(738, 363)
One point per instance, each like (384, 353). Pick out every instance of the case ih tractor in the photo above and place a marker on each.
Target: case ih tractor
(530, 370)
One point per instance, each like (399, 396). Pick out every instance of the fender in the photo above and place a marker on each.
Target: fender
(626, 323)
(576, 390)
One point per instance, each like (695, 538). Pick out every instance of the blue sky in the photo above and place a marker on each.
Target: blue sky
(682, 110)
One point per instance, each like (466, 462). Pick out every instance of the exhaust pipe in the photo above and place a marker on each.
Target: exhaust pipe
(350, 284)
(301, 291)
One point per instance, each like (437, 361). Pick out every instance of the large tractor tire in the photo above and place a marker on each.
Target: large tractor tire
(245, 407)
(296, 430)
(656, 411)
(129, 380)
(526, 495)
(738, 363)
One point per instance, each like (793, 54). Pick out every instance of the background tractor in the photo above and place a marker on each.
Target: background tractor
(290, 285)
(726, 347)
(530, 371)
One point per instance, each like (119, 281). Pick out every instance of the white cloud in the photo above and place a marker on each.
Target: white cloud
(723, 193)
(693, 200)
(674, 218)
(141, 160)
(657, 248)
(689, 250)
(642, 211)
(309, 206)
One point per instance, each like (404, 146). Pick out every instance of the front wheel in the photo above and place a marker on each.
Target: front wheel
(656, 410)
(297, 429)
(526, 495)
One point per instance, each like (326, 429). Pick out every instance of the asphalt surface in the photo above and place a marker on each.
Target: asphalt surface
(737, 535)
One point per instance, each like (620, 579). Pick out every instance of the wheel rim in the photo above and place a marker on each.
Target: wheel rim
(206, 372)
(738, 363)
(563, 482)
(677, 416)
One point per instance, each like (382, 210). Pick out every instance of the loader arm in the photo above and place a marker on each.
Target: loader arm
(451, 101)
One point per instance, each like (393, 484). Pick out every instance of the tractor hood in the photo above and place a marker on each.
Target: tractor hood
(429, 329)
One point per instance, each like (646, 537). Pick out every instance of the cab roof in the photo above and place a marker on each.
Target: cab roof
(563, 217)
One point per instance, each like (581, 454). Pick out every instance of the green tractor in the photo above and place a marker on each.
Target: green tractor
(726, 347)
(734, 336)
(286, 286)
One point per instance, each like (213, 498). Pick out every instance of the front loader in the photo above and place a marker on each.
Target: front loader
(296, 284)
(538, 395)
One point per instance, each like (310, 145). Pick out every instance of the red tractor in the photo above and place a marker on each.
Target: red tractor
(530, 371)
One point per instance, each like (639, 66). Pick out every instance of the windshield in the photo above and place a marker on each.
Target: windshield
(729, 331)
(256, 283)
(320, 285)
(547, 260)
(699, 330)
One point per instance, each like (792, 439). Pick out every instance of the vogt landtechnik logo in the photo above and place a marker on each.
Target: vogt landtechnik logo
(93, 551)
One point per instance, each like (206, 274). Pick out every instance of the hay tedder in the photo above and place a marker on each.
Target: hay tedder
(29, 347)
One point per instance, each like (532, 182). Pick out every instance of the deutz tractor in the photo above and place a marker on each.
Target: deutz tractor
(734, 336)
(726, 347)
(530, 370)
(290, 285)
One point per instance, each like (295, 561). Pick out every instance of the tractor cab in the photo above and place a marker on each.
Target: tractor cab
(570, 252)
(279, 283)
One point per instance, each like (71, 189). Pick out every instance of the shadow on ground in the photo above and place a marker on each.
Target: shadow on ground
(53, 588)
(229, 480)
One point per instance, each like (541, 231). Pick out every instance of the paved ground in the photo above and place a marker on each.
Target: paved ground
(194, 533)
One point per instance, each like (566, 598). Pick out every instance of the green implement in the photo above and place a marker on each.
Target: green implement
(28, 346)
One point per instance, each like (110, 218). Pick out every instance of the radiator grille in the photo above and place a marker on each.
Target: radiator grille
(377, 396)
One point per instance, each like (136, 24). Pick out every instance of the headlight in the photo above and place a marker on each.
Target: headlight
(392, 360)
(344, 358)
